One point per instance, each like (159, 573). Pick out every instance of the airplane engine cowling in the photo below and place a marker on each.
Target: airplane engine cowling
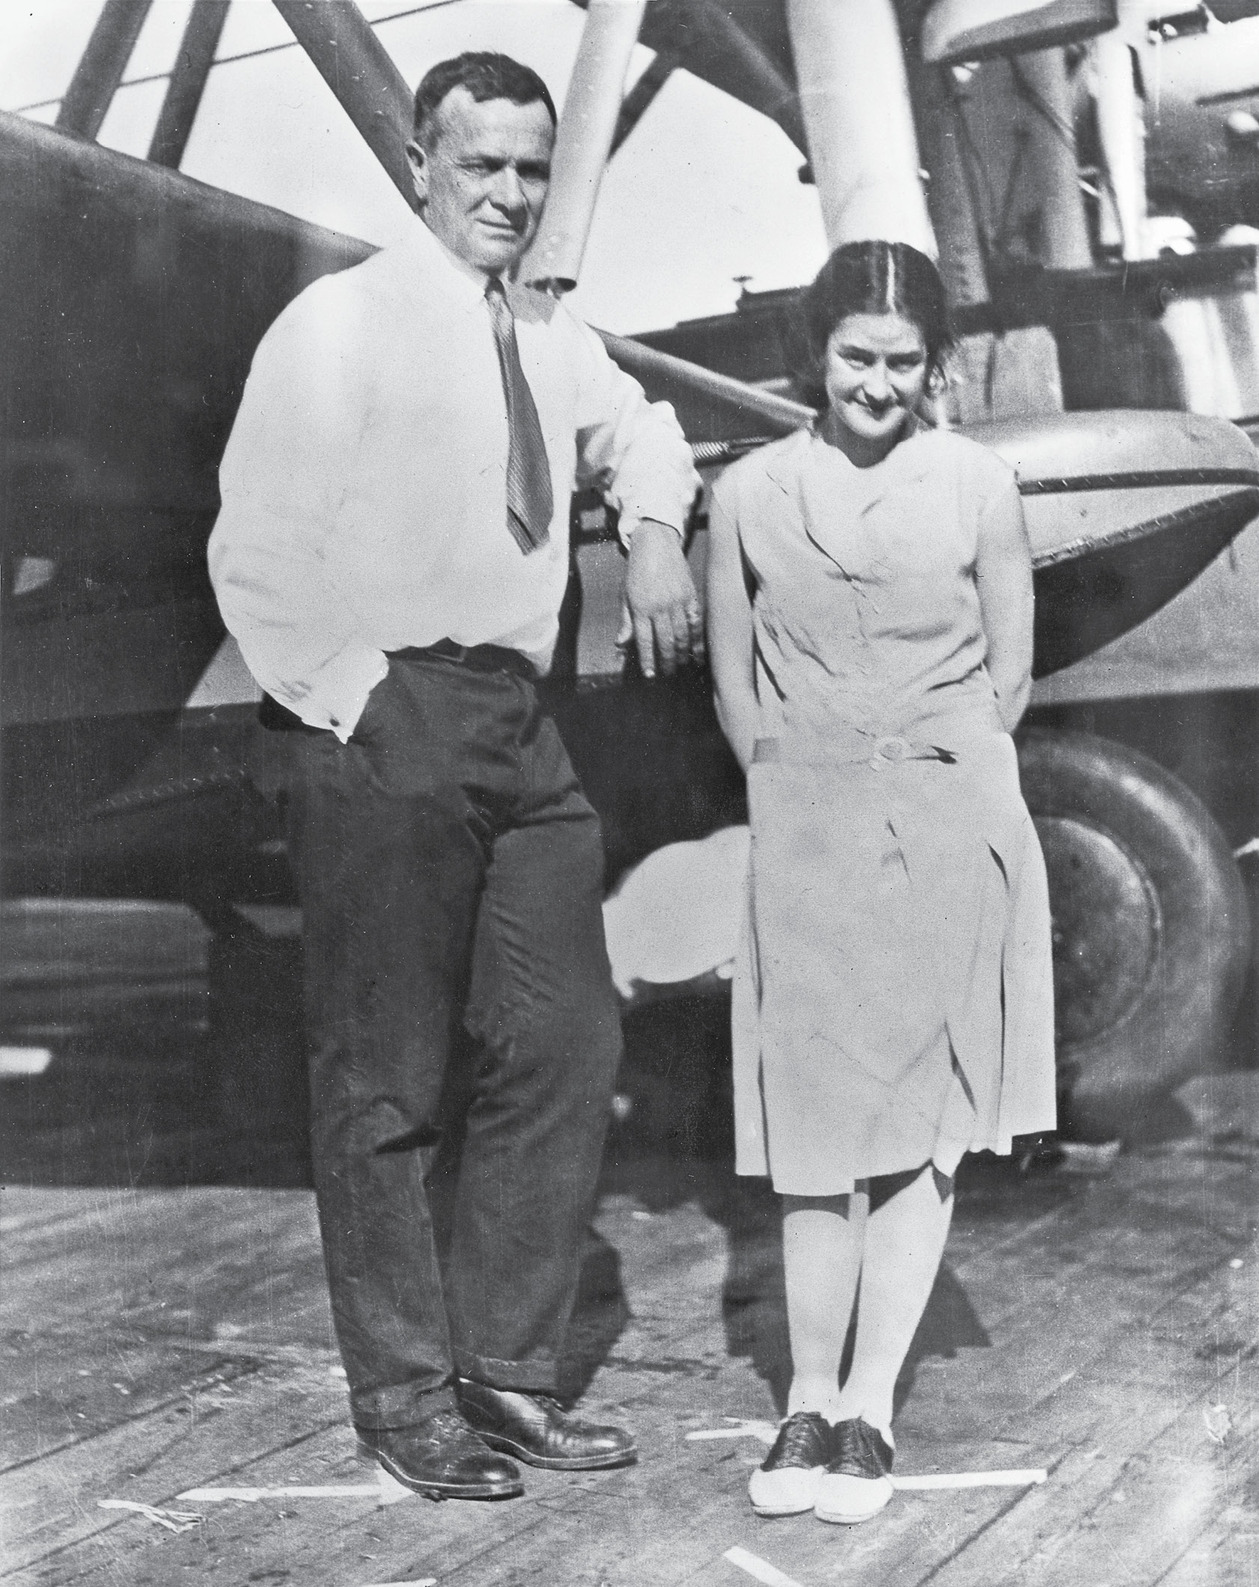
(975, 30)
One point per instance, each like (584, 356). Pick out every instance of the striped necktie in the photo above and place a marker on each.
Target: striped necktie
(530, 502)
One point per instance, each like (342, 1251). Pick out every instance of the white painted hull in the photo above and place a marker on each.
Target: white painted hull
(1124, 509)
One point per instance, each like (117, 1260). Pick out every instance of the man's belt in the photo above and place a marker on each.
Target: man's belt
(478, 658)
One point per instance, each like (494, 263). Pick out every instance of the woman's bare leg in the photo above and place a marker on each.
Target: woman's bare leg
(904, 1242)
(823, 1241)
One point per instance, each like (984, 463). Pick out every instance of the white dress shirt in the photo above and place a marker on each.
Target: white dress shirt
(364, 483)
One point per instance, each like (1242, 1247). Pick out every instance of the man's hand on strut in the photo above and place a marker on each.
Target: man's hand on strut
(662, 611)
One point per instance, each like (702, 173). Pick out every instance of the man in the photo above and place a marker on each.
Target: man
(391, 555)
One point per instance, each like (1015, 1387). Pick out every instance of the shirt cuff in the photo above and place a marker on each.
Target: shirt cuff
(337, 696)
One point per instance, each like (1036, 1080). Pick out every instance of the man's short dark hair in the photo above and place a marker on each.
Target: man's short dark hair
(486, 75)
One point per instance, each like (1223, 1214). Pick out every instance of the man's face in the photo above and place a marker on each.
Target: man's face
(482, 179)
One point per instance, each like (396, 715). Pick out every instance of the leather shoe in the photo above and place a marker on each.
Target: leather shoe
(857, 1482)
(786, 1483)
(536, 1429)
(442, 1458)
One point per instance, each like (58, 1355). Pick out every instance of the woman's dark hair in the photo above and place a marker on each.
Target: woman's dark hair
(486, 75)
(872, 277)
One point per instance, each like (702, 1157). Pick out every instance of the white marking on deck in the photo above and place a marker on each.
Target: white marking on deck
(385, 1490)
(172, 1520)
(1028, 1478)
(765, 1431)
(759, 1568)
(253, 1495)
(1023, 1477)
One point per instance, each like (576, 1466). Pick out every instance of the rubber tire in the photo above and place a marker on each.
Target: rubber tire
(1151, 927)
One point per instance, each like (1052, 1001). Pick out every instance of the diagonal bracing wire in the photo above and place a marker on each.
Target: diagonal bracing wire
(244, 55)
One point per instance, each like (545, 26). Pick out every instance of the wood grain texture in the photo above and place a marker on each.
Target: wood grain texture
(1102, 1325)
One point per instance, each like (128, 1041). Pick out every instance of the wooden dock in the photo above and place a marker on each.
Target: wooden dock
(1096, 1319)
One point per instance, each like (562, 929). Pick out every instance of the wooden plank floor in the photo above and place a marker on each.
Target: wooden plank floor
(163, 1333)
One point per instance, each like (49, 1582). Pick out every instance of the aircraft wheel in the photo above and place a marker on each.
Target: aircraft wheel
(1150, 920)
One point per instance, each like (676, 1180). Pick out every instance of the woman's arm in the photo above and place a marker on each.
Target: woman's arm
(1003, 576)
(730, 633)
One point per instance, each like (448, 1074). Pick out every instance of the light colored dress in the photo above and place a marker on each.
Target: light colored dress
(893, 1003)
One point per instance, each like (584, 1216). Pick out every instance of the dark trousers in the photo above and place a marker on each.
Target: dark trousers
(451, 872)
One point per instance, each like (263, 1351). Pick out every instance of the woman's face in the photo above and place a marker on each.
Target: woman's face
(876, 373)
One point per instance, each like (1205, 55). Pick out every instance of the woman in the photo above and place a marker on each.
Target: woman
(870, 611)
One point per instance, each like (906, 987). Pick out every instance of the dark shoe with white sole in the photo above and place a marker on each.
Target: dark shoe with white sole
(857, 1482)
(786, 1483)
(537, 1429)
(441, 1458)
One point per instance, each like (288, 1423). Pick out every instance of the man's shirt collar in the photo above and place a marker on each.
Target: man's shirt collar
(463, 279)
